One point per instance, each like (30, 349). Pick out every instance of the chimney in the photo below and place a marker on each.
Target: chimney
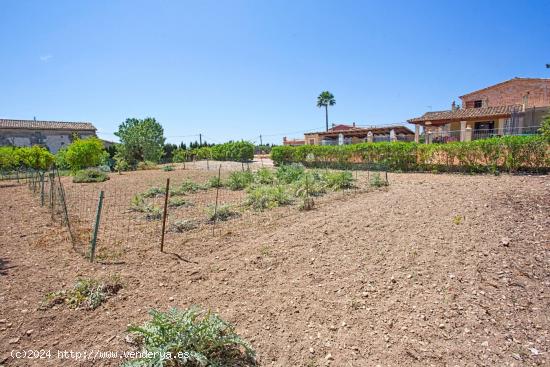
(284, 138)
(354, 124)
(525, 101)
(453, 106)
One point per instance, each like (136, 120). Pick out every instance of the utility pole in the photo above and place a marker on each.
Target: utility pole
(200, 140)
(261, 139)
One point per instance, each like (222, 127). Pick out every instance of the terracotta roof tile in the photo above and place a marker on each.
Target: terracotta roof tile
(45, 125)
(466, 113)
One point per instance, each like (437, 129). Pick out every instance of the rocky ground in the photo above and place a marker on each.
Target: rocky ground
(435, 270)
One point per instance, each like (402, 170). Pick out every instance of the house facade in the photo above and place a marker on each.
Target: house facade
(52, 135)
(513, 107)
(340, 134)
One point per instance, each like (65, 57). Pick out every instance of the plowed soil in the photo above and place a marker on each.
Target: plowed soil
(435, 270)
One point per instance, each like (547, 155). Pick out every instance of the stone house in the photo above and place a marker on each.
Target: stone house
(52, 135)
(513, 107)
(340, 134)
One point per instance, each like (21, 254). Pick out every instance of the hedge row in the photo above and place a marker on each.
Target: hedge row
(240, 151)
(509, 153)
(12, 158)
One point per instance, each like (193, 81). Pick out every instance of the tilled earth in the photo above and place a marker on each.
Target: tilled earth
(435, 270)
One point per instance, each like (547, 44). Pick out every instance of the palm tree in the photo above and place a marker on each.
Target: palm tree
(326, 99)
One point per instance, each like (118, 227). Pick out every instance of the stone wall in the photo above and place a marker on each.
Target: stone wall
(512, 92)
(51, 139)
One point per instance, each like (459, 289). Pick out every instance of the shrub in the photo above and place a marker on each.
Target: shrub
(240, 151)
(121, 164)
(84, 153)
(87, 294)
(177, 202)
(214, 182)
(184, 225)
(222, 213)
(181, 155)
(153, 192)
(153, 212)
(339, 180)
(239, 180)
(146, 165)
(200, 338)
(377, 181)
(310, 184)
(34, 157)
(290, 173)
(90, 175)
(168, 168)
(508, 153)
(187, 186)
(138, 203)
(267, 197)
(264, 176)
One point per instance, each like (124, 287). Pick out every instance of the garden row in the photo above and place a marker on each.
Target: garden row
(506, 154)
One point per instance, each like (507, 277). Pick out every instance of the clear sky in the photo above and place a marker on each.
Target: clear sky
(238, 69)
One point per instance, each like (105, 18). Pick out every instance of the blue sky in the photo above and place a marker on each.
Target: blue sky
(238, 69)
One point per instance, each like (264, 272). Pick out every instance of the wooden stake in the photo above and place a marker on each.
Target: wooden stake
(167, 192)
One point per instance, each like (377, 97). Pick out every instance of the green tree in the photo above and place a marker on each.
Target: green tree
(140, 140)
(84, 153)
(326, 99)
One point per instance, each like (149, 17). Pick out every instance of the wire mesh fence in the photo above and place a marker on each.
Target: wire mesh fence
(146, 211)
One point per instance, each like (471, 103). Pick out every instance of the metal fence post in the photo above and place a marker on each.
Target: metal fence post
(164, 214)
(93, 242)
(42, 176)
(217, 195)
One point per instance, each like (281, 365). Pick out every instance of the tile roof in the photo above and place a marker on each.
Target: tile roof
(399, 129)
(466, 114)
(45, 125)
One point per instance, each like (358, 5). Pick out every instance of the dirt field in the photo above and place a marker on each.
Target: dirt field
(436, 270)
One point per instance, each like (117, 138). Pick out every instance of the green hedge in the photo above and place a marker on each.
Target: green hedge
(12, 158)
(240, 151)
(509, 153)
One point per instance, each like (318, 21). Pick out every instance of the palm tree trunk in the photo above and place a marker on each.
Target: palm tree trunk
(326, 115)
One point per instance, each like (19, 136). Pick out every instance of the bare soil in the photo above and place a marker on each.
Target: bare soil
(435, 270)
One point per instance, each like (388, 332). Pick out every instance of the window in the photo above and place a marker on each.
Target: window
(311, 141)
(478, 103)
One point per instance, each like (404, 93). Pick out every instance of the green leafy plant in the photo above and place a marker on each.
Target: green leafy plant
(266, 197)
(376, 180)
(153, 212)
(214, 182)
(168, 168)
(240, 151)
(90, 175)
(153, 192)
(34, 157)
(240, 180)
(193, 337)
(177, 202)
(83, 153)
(186, 187)
(86, 293)
(339, 180)
(289, 173)
(264, 176)
(140, 140)
(497, 154)
(457, 219)
(222, 213)
(309, 184)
